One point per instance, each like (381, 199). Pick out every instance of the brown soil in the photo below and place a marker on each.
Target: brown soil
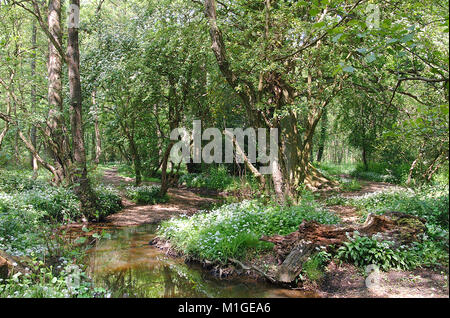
(347, 281)
(181, 201)
(348, 214)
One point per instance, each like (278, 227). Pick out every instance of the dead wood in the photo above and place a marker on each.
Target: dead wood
(293, 250)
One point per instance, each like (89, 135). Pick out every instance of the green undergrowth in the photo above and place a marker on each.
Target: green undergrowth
(31, 215)
(218, 178)
(146, 194)
(231, 230)
(431, 250)
(363, 251)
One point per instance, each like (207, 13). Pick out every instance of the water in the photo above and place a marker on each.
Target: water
(129, 267)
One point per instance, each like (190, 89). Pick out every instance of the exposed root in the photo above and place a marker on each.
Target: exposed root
(315, 180)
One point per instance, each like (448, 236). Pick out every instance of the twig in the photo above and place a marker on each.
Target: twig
(251, 267)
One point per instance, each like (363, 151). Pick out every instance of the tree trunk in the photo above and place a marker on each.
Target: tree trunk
(323, 135)
(57, 141)
(292, 167)
(136, 161)
(364, 158)
(164, 175)
(34, 164)
(98, 140)
(81, 182)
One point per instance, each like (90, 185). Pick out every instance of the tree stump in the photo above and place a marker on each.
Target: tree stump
(293, 250)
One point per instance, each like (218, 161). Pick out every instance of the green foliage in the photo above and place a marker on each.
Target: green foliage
(382, 172)
(55, 202)
(20, 224)
(146, 194)
(429, 202)
(330, 169)
(428, 253)
(49, 282)
(18, 181)
(127, 171)
(351, 185)
(442, 177)
(336, 200)
(313, 268)
(230, 230)
(363, 251)
(108, 201)
(216, 178)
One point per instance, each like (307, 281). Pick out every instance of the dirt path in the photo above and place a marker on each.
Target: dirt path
(349, 214)
(181, 201)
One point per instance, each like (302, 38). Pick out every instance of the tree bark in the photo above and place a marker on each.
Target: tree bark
(323, 135)
(136, 160)
(98, 140)
(56, 133)
(82, 185)
(164, 175)
(34, 164)
(364, 158)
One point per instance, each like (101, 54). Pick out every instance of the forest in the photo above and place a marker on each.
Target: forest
(224, 149)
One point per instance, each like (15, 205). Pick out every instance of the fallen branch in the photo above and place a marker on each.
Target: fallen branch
(252, 267)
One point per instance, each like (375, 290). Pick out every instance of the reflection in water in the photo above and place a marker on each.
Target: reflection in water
(128, 267)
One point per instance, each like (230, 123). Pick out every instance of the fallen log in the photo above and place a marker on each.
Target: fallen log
(10, 265)
(293, 250)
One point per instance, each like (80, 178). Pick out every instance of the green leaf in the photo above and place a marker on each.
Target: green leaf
(370, 58)
(313, 12)
(362, 50)
(349, 69)
(407, 38)
(393, 40)
(80, 240)
(337, 37)
(319, 24)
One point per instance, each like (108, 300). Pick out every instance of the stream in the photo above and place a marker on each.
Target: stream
(127, 266)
